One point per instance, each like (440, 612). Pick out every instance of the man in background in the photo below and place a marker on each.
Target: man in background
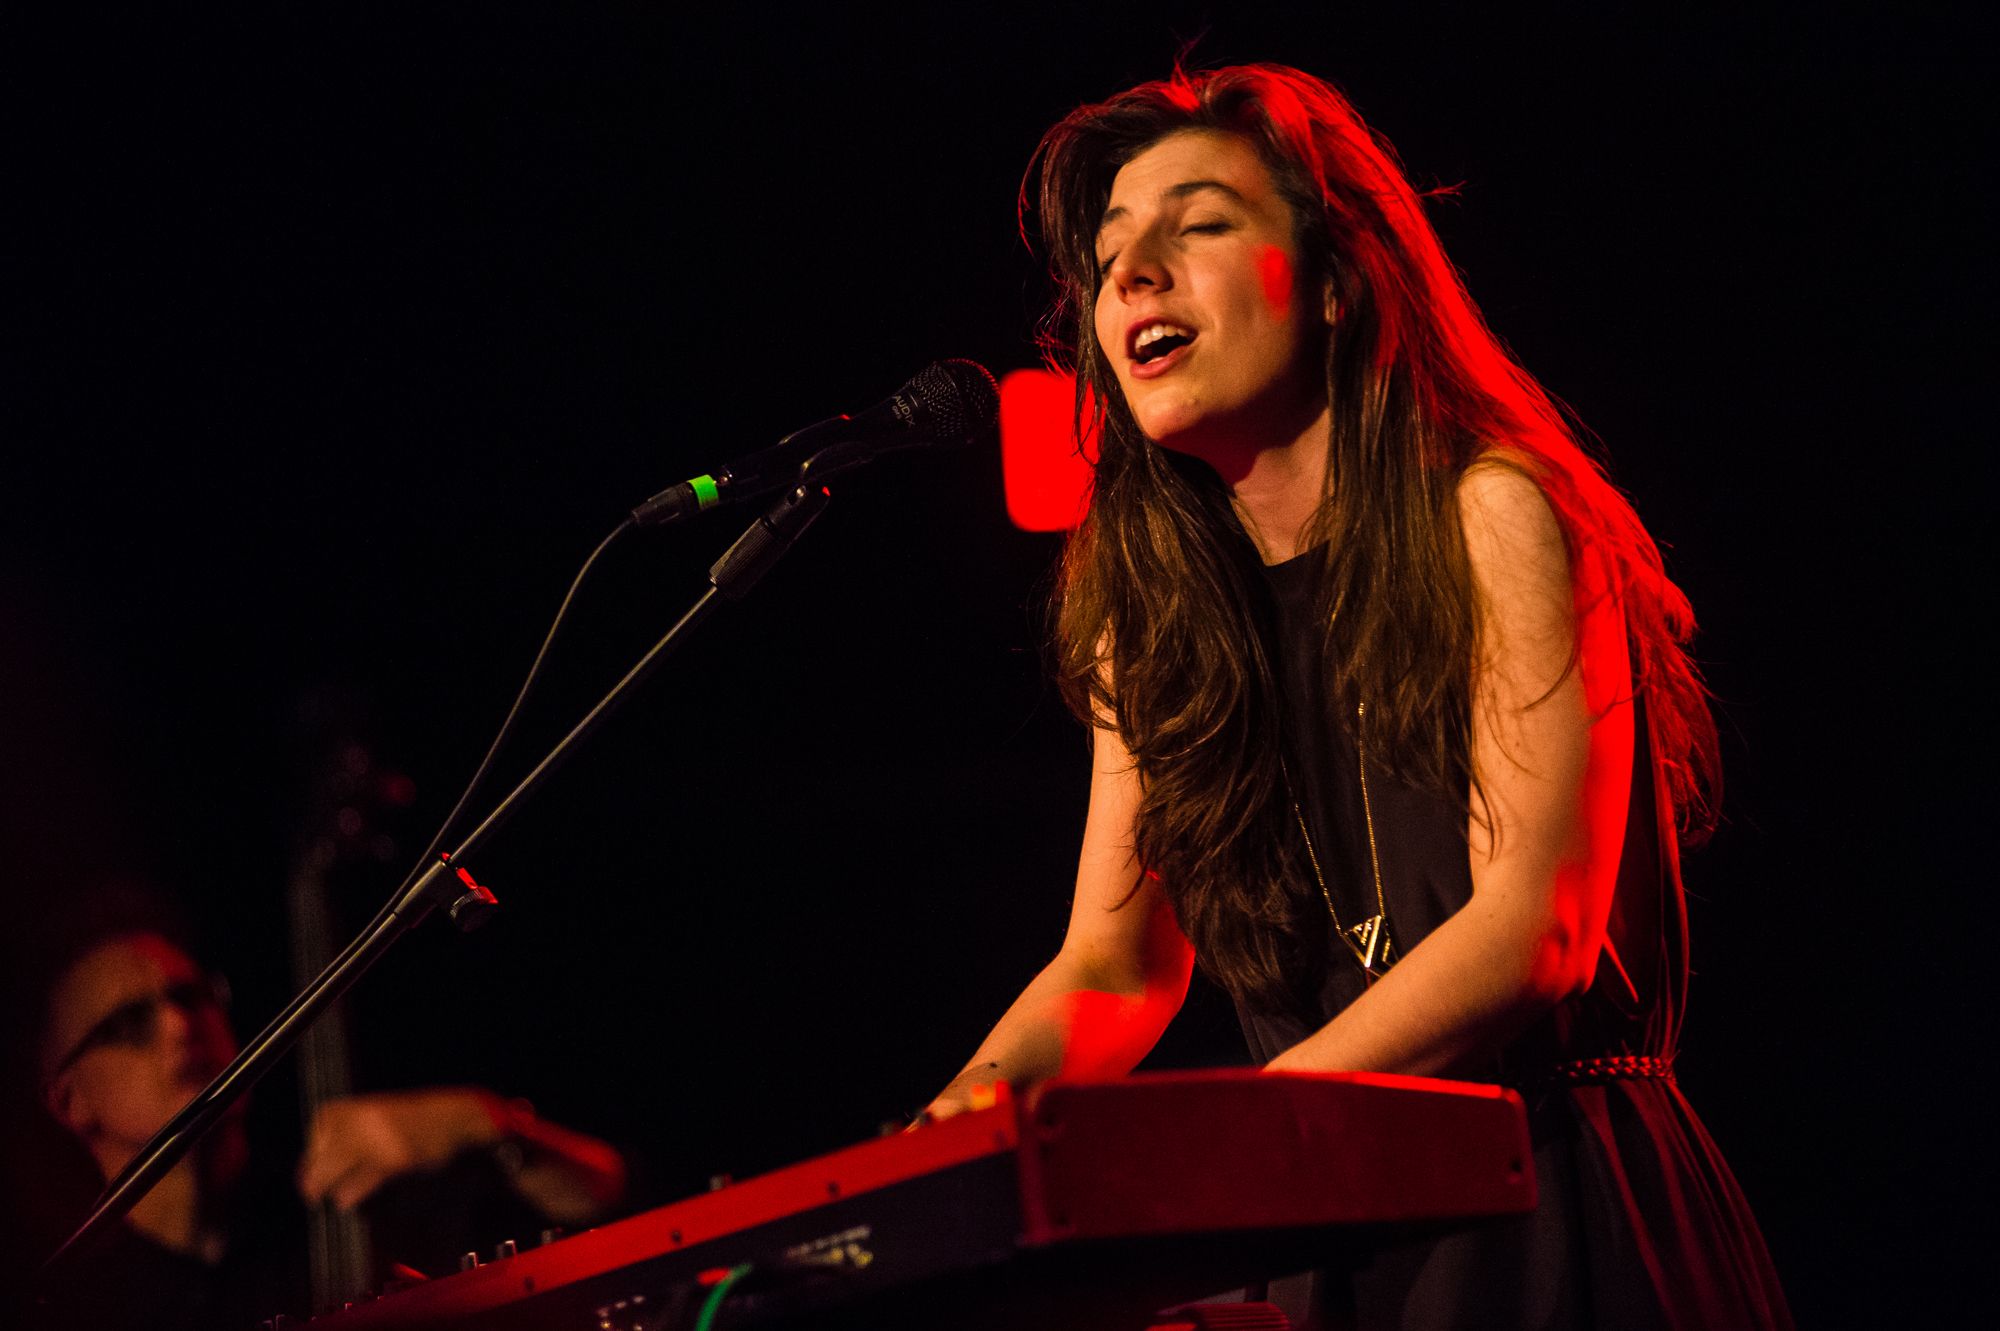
(132, 1028)
(108, 1026)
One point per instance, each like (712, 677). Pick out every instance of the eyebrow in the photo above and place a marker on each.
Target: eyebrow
(1180, 191)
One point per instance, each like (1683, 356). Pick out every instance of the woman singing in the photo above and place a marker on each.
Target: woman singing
(1395, 730)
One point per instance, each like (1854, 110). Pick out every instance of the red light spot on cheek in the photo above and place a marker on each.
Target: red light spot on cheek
(1276, 271)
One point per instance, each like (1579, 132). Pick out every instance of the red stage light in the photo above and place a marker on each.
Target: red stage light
(1047, 475)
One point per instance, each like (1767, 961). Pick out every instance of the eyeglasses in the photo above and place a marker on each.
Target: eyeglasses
(137, 1024)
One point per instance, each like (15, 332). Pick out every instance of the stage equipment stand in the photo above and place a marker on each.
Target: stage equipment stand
(445, 883)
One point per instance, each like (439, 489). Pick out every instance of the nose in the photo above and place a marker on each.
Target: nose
(1140, 266)
(172, 1022)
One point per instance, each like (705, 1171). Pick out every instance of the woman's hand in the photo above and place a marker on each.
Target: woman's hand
(357, 1144)
(969, 1090)
(1122, 973)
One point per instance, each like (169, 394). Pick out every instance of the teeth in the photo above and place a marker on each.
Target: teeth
(1155, 332)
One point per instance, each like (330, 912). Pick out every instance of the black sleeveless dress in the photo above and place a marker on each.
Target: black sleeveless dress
(1639, 1222)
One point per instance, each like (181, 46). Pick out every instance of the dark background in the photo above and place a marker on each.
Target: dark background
(335, 341)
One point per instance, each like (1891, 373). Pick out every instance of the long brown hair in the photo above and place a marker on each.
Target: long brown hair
(1159, 611)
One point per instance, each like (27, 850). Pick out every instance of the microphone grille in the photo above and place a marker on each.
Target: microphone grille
(959, 400)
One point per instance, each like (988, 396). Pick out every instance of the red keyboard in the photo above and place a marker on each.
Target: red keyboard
(1087, 1205)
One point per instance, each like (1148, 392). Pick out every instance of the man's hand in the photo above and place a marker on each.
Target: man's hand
(359, 1143)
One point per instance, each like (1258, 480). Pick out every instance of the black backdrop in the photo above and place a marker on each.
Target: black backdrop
(335, 341)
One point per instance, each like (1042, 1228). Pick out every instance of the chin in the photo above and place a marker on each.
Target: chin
(1162, 413)
(1176, 412)
(1179, 430)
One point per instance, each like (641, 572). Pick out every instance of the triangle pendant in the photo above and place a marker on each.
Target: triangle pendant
(1369, 941)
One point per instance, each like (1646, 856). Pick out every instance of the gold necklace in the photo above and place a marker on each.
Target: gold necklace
(1369, 940)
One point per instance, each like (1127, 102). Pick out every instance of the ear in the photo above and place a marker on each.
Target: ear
(67, 1104)
(1330, 302)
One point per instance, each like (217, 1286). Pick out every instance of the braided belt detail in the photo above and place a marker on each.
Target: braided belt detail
(1585, 1071)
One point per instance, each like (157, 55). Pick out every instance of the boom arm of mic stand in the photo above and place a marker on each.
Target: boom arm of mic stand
(732, 576)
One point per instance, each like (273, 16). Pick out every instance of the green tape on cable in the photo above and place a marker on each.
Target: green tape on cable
(704, 491)
(719, 1293)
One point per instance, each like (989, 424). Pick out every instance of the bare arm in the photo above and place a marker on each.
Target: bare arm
(1552, 746)
(1123, 969)
(359, 1143)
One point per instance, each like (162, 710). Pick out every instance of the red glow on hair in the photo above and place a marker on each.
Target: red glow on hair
(1276, 271)
(1047, 473)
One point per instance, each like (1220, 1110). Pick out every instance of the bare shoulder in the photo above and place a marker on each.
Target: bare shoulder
(1520, 570)
(1511, 534)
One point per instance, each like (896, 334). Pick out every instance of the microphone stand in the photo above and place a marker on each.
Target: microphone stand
(444, 884)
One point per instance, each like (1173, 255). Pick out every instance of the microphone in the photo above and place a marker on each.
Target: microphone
(948, 403)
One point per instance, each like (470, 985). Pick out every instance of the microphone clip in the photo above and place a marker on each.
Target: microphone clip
(767, 540)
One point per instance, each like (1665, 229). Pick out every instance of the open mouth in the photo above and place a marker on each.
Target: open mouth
(1157, 340)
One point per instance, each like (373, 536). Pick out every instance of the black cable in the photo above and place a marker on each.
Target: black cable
(429, 884)
(485, 764)
(514, 712)
(193, 1118)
